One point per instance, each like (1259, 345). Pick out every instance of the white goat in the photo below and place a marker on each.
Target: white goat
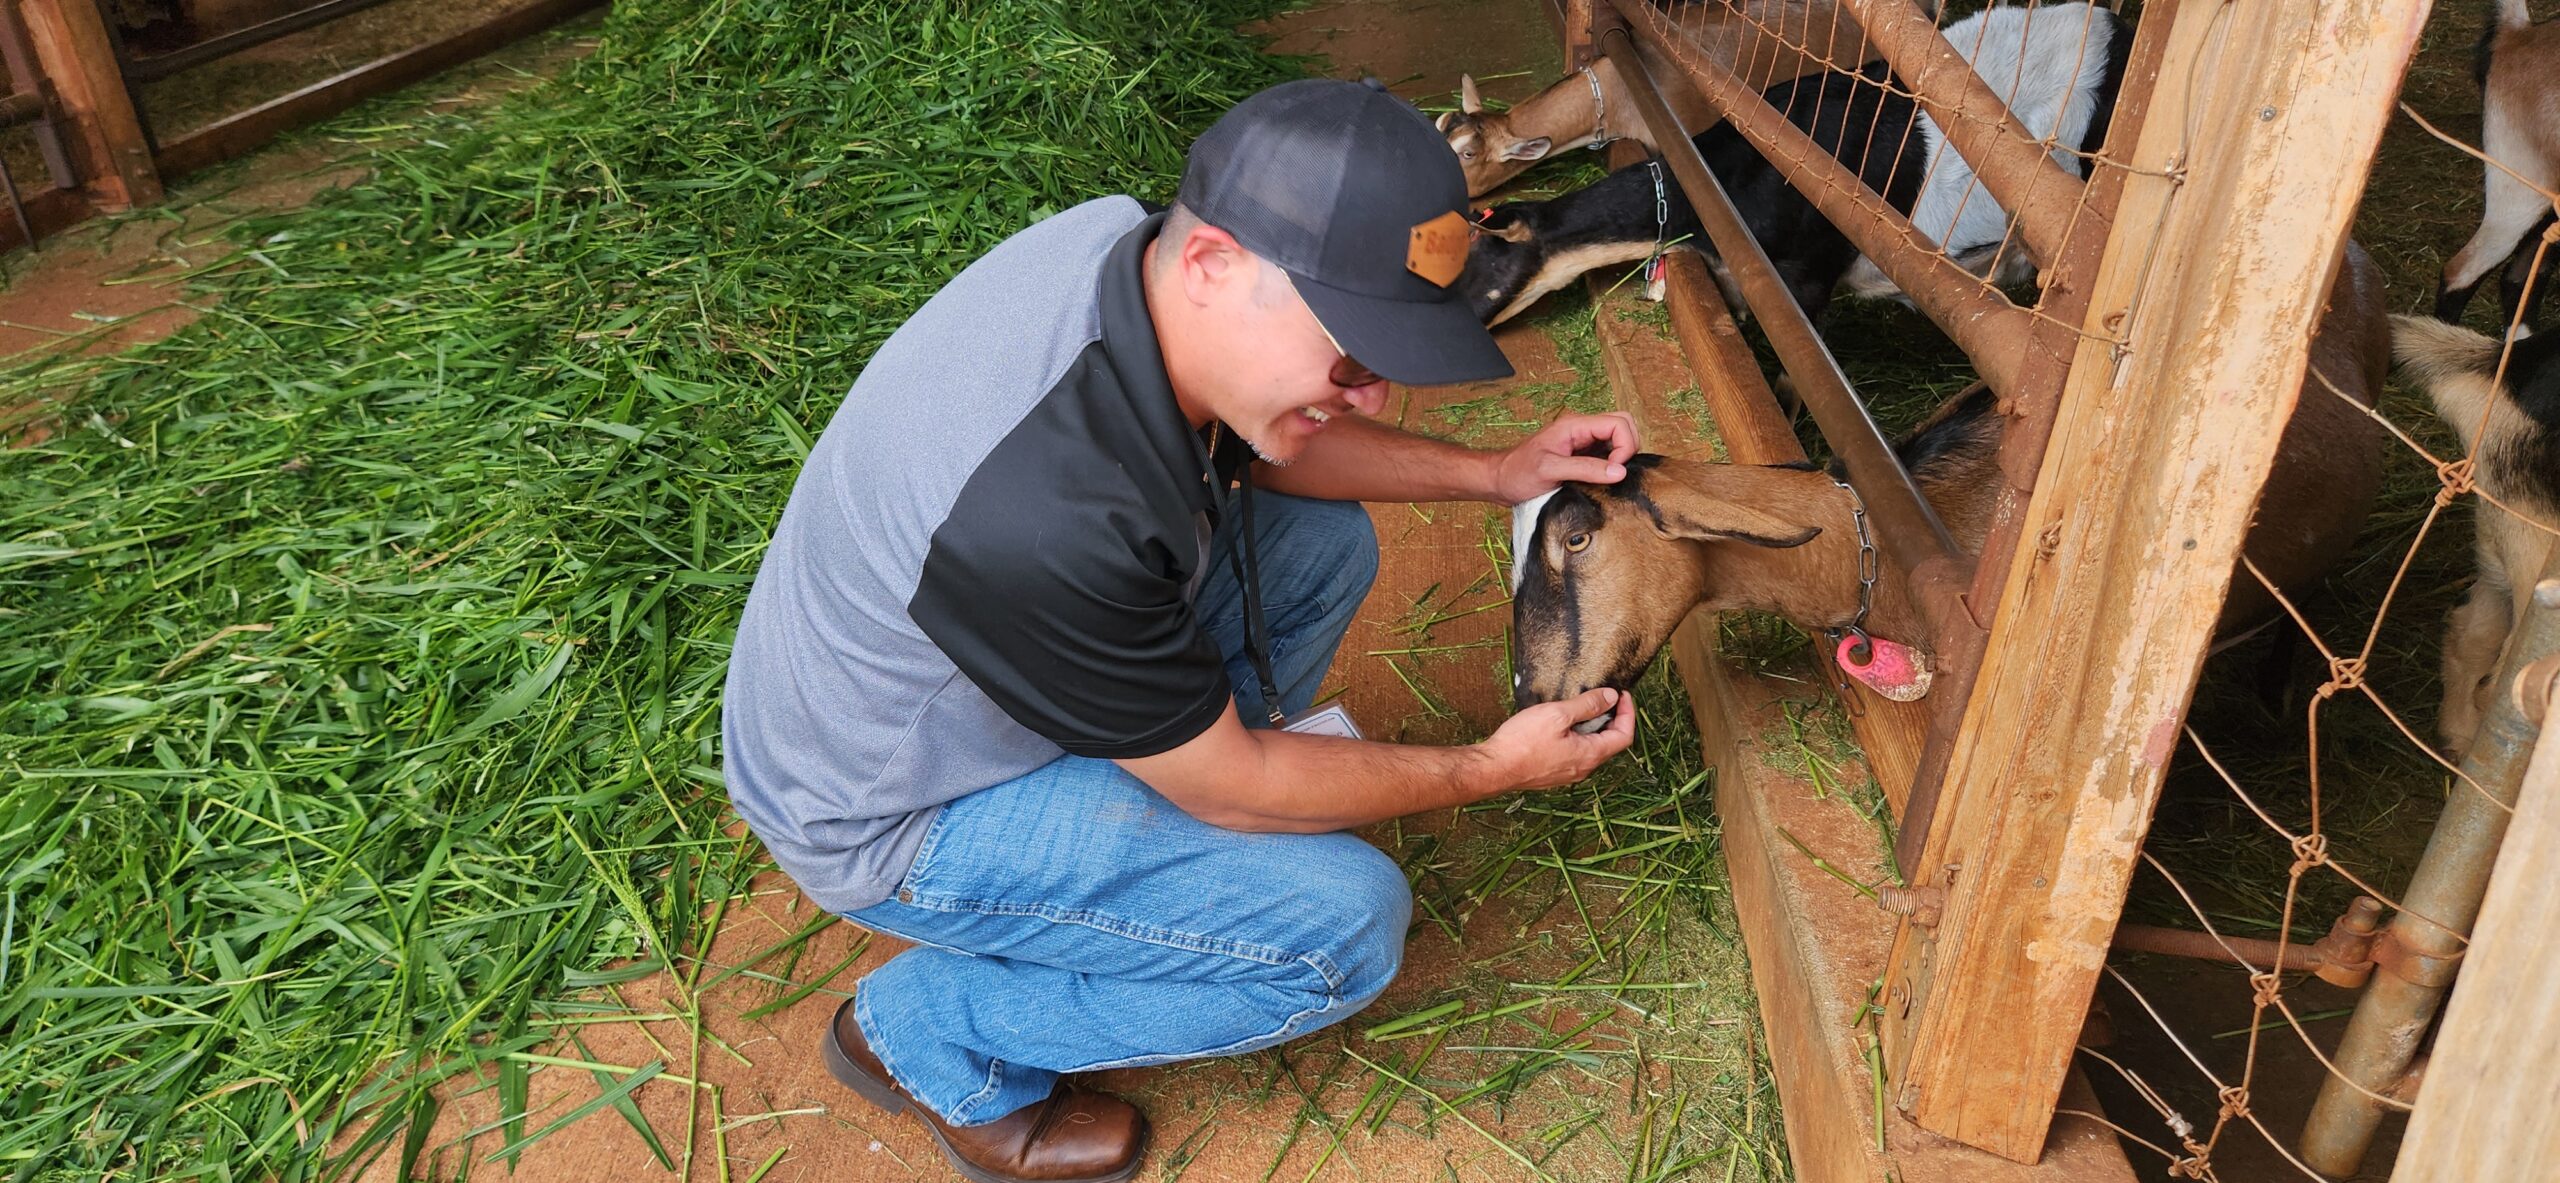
(2058, 68)
(2513, 436)
(2518, 68)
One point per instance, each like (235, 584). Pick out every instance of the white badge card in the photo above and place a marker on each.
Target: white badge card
(1329, 719)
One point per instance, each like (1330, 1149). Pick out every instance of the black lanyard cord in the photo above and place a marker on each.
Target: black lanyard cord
(1257, 634)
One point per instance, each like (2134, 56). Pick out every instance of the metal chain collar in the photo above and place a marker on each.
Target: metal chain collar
(1600, 137)
(1662, 211)
(1868, 570)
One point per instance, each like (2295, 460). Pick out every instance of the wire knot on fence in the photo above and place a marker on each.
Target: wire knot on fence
(2266, 989)
(2345, 673)
(2456, 476)
(2309, 851)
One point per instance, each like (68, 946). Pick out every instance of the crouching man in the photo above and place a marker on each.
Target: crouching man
(1005, 684)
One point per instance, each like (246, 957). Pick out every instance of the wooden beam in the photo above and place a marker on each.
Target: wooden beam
(1574, 20)
(2235, 216)
(108, 147)
(1816, 947)
(2494, 1079)
(2066, 282)
(237, 134)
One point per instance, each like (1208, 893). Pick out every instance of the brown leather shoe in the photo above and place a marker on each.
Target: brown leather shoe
(1076, 1136)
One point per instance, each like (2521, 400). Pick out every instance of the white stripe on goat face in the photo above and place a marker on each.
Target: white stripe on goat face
(1524, 522)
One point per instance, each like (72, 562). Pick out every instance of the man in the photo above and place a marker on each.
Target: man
(1002, 685)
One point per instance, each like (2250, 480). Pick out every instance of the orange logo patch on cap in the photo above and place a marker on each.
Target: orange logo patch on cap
(1439, 250)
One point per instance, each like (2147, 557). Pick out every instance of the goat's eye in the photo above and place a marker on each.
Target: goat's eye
(1576, 542)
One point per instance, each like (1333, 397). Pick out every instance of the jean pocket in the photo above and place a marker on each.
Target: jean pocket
(912, 884)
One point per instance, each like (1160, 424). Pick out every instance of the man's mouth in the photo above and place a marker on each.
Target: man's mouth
(1318, 416)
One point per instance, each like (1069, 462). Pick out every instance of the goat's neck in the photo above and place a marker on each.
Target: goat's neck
(1564, 113)
(1815, 586)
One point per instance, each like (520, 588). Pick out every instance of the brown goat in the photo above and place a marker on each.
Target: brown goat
(1765, 42)
(1602, 574)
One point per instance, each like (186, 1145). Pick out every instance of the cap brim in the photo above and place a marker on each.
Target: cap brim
(1434, 344)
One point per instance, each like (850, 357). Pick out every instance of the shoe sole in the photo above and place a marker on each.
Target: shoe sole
(887, 1097)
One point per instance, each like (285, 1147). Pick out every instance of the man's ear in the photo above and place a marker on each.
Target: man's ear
(1719, 502)
(1212, 259)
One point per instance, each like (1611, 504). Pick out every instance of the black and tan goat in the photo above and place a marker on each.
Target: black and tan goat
(2058, 67)
(1603, 573)
(1524, 250)
(2518, 69)
(2513, 437)
(1770, 41)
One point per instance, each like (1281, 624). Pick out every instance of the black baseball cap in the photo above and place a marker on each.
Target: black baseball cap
(1351, 191)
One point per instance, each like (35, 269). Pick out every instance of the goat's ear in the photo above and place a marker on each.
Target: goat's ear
(1441, 124)
(1684, 511)
(1468, 100)
(1535, 149)
(1500, 222)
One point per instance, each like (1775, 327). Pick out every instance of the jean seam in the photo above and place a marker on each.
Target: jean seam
(995, 1082)
(1287, 1030)
(1142, 933)
(862, 1019)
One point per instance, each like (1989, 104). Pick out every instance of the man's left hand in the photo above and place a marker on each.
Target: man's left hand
(1541, 462)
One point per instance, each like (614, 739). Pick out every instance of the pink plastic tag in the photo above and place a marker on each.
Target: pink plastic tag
(1896, 671)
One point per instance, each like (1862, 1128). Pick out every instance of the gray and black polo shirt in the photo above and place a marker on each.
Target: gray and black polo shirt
(988, 560)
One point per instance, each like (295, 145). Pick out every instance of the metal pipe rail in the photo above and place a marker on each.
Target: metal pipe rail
(2011, 160)
(1975, 315)
(2430, 934)
(1909, 531)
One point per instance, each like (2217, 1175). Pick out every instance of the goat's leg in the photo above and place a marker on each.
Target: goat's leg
(2472, 639)
(2520, 274)
(2511, 211)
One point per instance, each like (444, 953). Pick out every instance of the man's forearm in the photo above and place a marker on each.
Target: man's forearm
(1309, 784)
(1358, 459)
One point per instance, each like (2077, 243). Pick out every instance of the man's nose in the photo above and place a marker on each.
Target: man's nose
(1370, 399)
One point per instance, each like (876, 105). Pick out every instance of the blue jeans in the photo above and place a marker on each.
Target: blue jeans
(1073, 920)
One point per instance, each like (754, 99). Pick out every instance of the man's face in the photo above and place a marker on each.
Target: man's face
(1280, 378)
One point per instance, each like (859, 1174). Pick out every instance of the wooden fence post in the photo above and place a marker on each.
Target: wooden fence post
(2198, 335)
(105, 136)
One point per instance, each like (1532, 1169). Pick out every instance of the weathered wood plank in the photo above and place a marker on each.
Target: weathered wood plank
(104, 134)
(2146, 488)
(2493, 1082)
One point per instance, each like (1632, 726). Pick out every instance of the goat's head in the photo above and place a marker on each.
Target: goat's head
(1489, 150)
(1503, 263)
(1601, 574)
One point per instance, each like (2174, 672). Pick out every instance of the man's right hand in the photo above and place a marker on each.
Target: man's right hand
(1539, 748)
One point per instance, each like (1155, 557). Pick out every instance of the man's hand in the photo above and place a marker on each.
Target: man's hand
(1543, 461)
(1539, 748)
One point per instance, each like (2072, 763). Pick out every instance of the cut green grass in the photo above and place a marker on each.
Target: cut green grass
(361, 645)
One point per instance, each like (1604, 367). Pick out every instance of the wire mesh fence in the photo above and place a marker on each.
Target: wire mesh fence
(1843, 75)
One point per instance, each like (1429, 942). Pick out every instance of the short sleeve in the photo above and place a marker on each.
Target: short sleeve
(1072, 619)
